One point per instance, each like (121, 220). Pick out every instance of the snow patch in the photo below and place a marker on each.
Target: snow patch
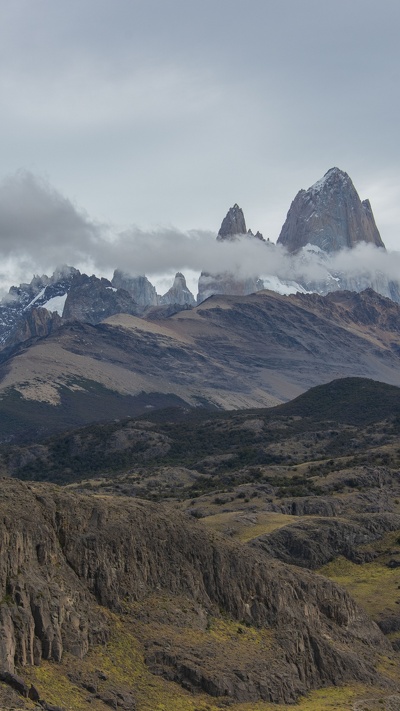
(283, 287)
(38, 296)
(57, 303)
(320, 184)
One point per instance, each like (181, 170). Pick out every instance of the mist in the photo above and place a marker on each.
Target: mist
(41, 229)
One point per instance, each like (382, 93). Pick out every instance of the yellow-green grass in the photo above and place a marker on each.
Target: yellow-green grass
(244, 526)
(122, 662)
(175, 622)
(374, 585)
(155, 694)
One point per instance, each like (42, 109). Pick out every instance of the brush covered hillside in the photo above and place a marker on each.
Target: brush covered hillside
(198, 560)
(229, 352)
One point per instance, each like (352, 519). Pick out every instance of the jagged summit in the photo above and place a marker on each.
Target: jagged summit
(330, 216)
(232, 224)
(138, 287)
(331, 177)
(179, 293)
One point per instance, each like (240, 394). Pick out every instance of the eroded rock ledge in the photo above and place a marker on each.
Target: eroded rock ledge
(63, 556)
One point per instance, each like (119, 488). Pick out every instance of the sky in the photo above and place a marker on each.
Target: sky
(129, 127)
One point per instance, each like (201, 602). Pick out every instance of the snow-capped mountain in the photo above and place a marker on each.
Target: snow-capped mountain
(324, 222)
(46, 292)
(329, 215)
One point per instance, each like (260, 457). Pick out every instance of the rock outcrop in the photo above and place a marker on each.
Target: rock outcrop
(63, 555)
(233, 227)
(35, 323)
(313, 543)
(42, 291)
(330, 216)
(232, 224)
(139, 287)
(178, 293)
(91, 300)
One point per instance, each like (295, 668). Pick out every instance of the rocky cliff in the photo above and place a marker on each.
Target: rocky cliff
(233, 227)
(42, 291)
(63, 555)
(232, 224)
(330, 216)
(35, 323)
(139, 287)
(178, 293)
(91, 300)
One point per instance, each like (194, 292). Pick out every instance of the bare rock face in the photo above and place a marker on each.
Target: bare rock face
(232, 228)
(313, 543)
(178, 293)
(139, 287)
(42, 292)
(62, 555)
(226, 283)
(91, 300)
(36, 323)
(330, 216)
(44, 610)
(232, 224)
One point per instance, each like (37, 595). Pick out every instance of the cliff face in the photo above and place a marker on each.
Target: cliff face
(36, 323)
(178, 293)
(62, 555)
(233, 227)
(45, 609)
(330, 216)
(91, 300)
(139, 287)
(226, 283)
(232, 224)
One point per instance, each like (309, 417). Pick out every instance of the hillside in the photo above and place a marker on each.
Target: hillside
(203, 614)
(230, 352)
(184, 601)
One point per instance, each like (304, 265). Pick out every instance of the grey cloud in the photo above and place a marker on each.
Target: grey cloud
(170, 111)
(39, 224)
(41, 229)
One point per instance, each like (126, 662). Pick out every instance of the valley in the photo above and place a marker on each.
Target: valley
(156, 546)
(200, 498)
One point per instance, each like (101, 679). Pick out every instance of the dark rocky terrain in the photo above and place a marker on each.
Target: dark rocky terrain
(67, 559)
(180, 552)
(157, 573)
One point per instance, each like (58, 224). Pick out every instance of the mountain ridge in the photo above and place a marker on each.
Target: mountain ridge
(229, 352)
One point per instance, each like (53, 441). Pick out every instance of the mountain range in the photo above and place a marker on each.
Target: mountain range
(198, 560)
(228, 352)
(200, 501)
(323, 221)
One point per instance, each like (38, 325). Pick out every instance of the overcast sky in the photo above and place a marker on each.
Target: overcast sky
(164, 113)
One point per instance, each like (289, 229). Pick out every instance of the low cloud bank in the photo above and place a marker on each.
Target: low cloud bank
(41, 229)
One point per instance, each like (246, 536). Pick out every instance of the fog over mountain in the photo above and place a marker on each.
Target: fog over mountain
(40, 229)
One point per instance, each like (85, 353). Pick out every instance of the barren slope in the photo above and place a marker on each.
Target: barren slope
(229, 352)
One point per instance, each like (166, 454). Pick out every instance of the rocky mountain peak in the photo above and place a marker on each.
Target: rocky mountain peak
(91, 300)
(333, 177)
(330, 216)
(139, 287)
(178, 293)
(232, 224)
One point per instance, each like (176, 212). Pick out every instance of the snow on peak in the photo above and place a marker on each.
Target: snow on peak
(331, 175)
(56, 304)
